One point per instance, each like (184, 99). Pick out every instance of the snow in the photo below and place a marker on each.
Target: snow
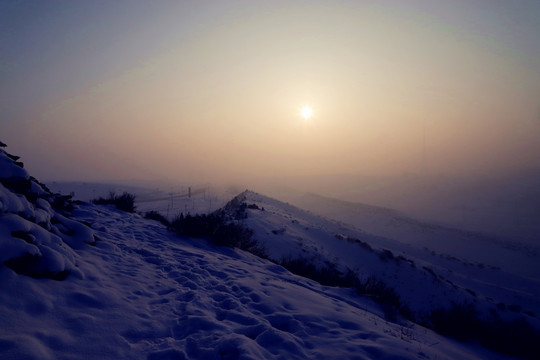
(134, 290)
(12, 202)
(145, 293)
(506, 253)
(8, 169)
(287, 232)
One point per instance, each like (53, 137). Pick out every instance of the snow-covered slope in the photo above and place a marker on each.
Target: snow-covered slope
(424, 280)
(508, 254)
(104, 284)
(36, 236)
(143, 293)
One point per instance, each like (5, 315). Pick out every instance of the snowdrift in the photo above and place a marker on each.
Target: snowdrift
(37, 236)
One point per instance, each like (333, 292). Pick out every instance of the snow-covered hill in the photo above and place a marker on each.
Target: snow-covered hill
(80, 281)
(478, 248)
(425, 281)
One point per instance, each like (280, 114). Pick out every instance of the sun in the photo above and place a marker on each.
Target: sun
(306, 112)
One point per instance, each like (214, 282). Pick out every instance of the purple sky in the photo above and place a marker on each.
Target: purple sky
(100, 90)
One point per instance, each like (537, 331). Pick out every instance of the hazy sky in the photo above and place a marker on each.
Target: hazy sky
(210, 90)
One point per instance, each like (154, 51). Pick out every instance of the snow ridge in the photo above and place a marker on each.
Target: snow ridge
(441, 292)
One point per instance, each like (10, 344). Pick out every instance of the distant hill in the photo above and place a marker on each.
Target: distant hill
(511, 255)
(506, 204)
